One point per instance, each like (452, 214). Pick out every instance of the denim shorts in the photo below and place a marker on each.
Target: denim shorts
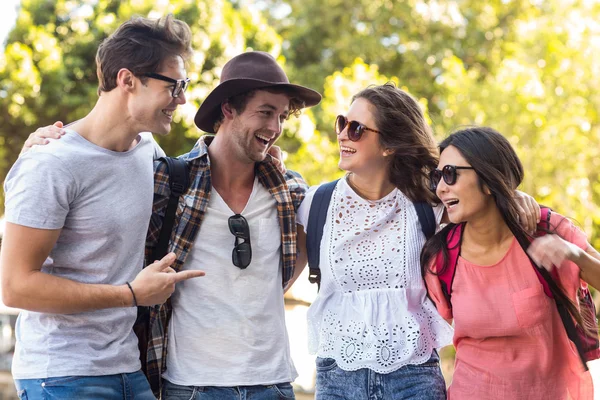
(416, 382)
(133, 386)
(280, 391)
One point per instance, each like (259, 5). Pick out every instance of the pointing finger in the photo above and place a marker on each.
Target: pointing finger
(184, 275)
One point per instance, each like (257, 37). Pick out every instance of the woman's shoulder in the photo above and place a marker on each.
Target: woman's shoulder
(305, 206)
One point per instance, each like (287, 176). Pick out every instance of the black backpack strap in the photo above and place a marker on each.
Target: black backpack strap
(314, 232)
(178, 182)
(571, 329)
(565, 316)
(426, 218)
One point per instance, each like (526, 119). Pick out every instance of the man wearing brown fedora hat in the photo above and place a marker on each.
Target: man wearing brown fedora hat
(226, 337)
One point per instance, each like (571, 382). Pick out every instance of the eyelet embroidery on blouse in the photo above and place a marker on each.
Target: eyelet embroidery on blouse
(368, 246)
(354, 344)
(373, 254)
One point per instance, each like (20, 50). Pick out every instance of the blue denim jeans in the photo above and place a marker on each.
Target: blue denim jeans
(132, 386)
(281, 391)
(415, 382)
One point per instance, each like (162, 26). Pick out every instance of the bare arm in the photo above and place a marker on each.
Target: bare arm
(589, 264)
(301, 256)
(551, 250)
(25, 286)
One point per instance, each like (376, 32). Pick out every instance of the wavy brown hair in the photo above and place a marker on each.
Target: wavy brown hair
(404, 130)
(141, 45)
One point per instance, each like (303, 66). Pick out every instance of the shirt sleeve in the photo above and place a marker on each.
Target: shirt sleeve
(434, 290)
(303, 211)
(39, 190)
(158, 151)
(568, 272)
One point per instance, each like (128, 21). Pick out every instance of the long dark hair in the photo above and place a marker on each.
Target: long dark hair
(499, 169)
(404, 130)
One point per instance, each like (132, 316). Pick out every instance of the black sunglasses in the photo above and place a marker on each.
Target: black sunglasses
(242, 252)
(179, 85)
(355, 128)
(448, 173)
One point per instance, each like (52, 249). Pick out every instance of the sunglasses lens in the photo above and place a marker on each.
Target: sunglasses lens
(434, 179)
(340, 124)
(238, 226)
(355, 131)
(449, 173)
(180, 87)
(242, 252)
(242, 255)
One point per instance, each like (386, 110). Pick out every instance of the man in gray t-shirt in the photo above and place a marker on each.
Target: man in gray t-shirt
(77, 212)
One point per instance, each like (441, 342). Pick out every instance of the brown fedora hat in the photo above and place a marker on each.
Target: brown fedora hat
(243, 73)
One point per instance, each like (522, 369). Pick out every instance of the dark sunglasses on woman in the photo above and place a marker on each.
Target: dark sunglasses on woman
(448, 173)
(355, 128)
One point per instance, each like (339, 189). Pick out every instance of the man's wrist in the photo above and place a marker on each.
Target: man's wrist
(134, 302)
(126, 296)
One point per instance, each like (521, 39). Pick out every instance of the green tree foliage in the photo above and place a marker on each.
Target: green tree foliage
(543, 96)
(527, 68)
(407, 39)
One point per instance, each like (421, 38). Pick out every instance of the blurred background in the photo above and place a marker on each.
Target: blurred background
(528, 68)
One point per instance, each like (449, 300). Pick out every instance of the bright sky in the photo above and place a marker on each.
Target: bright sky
(8, 15)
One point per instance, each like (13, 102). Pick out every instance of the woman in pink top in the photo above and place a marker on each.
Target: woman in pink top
(509, 338)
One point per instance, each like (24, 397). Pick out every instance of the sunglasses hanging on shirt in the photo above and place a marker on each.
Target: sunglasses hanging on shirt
(242, 251)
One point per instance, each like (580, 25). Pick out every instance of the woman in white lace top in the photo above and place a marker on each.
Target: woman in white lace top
(372, 327)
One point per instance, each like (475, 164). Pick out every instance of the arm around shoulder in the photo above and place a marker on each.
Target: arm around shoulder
(297, 187)
(588, 262)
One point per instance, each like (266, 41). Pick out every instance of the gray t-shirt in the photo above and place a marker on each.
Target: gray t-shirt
(102, 200)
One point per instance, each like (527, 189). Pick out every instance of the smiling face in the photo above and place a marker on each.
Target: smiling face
(152, 106)
(254, 130)
(465, 200)
(366, 154)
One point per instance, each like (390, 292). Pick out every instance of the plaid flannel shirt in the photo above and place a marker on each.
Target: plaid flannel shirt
(288, 191)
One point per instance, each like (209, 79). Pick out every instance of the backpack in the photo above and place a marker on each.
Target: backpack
(178, 183)
(588, 347)
(318, 215)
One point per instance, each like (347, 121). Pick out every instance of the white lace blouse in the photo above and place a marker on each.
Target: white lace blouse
(372, 310)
